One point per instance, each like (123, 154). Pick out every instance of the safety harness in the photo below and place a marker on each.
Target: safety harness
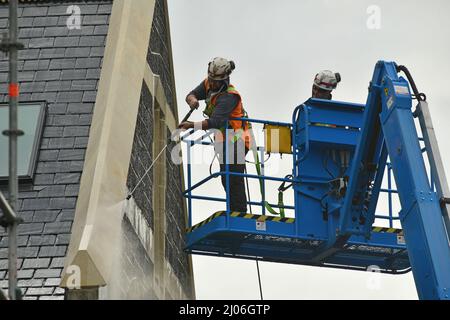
(239, 132)
(281, 189)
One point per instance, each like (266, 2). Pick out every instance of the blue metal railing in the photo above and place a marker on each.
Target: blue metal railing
(390, 217)
(188, 193)
(192, 141)
(390, 191)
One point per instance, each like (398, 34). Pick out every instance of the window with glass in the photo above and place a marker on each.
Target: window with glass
(31, 118)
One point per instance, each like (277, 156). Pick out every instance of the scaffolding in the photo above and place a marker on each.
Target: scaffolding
(10, 220)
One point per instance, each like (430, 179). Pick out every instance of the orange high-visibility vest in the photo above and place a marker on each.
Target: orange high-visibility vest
(241, 128)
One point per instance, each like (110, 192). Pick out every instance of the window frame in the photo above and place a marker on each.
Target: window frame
(38, 135)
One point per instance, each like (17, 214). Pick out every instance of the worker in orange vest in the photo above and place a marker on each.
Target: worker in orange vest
(223, 103)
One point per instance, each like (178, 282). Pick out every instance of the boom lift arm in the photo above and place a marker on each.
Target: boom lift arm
(389, 121)
(339, 154)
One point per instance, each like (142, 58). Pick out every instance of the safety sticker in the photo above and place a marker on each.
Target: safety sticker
(401, 239)
(260, 225)
(390, 102)
(401, 90)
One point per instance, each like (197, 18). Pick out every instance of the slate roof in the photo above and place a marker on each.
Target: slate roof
(62, 67)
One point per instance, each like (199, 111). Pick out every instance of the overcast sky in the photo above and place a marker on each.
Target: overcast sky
(278, 47)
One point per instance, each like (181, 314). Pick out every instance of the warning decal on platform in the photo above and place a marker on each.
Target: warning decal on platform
(401, 90)
(262, 220)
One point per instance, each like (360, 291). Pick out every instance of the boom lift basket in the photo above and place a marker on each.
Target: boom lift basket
(317, 125)
(342, 154)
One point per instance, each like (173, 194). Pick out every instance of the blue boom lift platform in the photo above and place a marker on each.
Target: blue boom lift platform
(340, 155)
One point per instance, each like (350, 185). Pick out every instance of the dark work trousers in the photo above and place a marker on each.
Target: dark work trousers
(236, 160)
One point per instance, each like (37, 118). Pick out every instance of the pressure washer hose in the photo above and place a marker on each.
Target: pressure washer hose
(186, 118)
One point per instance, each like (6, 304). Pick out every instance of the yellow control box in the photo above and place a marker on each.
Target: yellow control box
(277, 139)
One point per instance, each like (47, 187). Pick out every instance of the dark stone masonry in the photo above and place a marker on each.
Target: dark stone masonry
(61, 67)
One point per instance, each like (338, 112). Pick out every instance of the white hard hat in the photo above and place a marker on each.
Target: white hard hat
(220, 69)
(327, 80)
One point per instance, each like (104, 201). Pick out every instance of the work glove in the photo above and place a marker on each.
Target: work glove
(192, 101)
(186, 125)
